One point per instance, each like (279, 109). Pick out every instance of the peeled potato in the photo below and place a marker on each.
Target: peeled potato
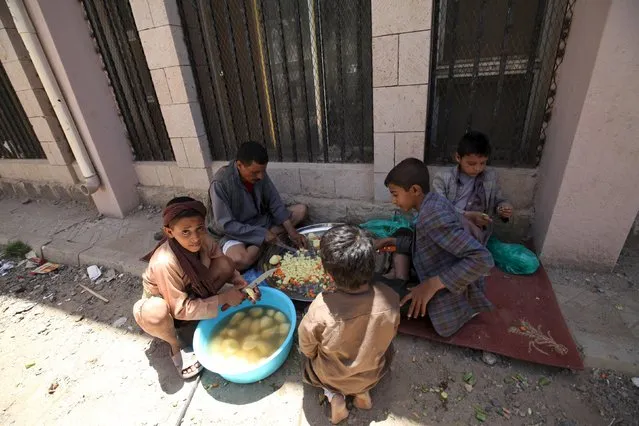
(237, 318)
(270, 312)
(249, 345)
(232, 332)
(275, 259)
(269, 332)
(256, 312)
(256, 326)
(280, 340)
(280, 317)
(215, 344)
(230, 346)
(266, 322)
(284, 328)
(245, 325)
(253, 357)
(265, 349)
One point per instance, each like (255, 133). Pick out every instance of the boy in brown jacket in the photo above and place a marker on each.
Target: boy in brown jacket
(347, 336)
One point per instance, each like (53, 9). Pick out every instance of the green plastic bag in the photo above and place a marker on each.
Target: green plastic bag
(513, 258)
(385, 228)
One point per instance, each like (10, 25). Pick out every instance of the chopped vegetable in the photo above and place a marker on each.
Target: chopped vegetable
(302, 274)
(275, 259)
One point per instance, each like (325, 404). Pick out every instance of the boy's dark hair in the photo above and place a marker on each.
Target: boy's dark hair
(348, 255)
(474, 142)
(252, 152)
(185, 213)
(407, 173)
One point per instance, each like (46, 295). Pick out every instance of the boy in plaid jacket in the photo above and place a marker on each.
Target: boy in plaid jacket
(449, 262)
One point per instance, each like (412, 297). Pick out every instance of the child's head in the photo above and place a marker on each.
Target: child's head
(408, 183)
(252, 159)
(472, 153)
(184, 221)
(348, 256)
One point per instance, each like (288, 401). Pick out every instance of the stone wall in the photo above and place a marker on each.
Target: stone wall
(401, 58)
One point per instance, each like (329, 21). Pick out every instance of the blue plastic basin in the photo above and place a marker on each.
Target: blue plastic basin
(270, 297)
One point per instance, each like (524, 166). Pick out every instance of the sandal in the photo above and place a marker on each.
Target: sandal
(186, 356)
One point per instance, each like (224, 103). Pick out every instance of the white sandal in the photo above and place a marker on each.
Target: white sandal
(187, 357)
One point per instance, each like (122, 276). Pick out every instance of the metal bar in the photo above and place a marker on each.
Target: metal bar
(502, 65)
(307, 124)
(215, 72)
(449, 84)
(259, 48)
(288, 86)
(473, 81)
(323, 82)
(340, 81)
(253, 71)
(366, 80)
(277, 140)
(518, 148)
(431, 116)
(237, 76)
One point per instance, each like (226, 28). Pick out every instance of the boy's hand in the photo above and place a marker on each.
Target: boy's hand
(240, 283)
(232, 297)
(270, 236)
(421, 295)
(505, 210)
(478, 219)
(383, 242)
(298, 239)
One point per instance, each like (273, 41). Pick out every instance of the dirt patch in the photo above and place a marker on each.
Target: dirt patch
(99, 361)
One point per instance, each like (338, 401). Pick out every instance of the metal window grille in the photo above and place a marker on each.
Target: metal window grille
(114, 30)
(493, 70)
(296, 74)
(17, 138)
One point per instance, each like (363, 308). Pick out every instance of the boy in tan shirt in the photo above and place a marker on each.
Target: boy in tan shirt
(347, 336)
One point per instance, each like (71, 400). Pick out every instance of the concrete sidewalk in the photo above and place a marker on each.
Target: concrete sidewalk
(602, 310)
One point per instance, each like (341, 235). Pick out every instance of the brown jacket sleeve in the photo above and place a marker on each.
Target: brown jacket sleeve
(307, 332)
(170, 280)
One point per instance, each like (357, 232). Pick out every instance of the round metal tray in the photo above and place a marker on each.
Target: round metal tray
(318, 229)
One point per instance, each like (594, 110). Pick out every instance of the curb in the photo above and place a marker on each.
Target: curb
(71, 253)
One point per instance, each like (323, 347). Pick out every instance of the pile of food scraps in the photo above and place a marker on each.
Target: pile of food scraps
(301, 273)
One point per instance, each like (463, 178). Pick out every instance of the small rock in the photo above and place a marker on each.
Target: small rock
(635, 381)
(468, 387)
(581, 388)
(140, 207)
(26, 201)
(489, 358)
(495, 403)
(119, 322)
(516, 404)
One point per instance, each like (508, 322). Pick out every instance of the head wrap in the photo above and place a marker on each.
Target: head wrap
(201, 279)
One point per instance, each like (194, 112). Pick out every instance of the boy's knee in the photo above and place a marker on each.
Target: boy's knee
(151, 312)
(225, 267)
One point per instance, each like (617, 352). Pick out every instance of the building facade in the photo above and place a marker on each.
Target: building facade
(139, 100)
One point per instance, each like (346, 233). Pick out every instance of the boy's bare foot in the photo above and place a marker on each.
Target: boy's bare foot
(339, 412)
(363, 401)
